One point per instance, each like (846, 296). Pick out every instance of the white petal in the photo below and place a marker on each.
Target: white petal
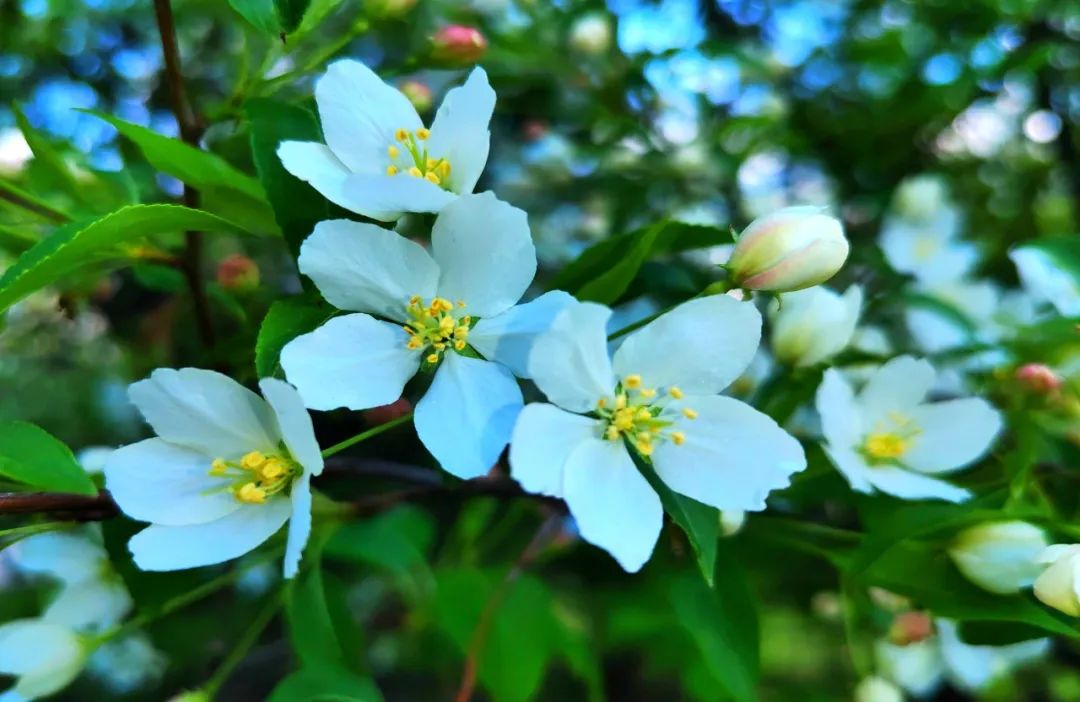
(353, 361)
(952, 434)
(316, 165)
(68, 556)
(1047, 281)
(365, 268)
(205, 411)
(917, 667)
(841, 423)
(508, 337)
(294, 423)
(460, 130)
(47, 656)
(852, 466)
(359, 115)
(543, 439)
(485, 253)
(155, 481)
(299, 524)
(467, 415)
(569, 362)
(92, 605)
(180, 547)
(897, 386)
(612, 503)
(909, 485)
(733, 455)
(386, 198)
(701, 346)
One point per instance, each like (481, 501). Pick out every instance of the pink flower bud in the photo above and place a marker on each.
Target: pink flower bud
(911, 627)
(791, 249)
(418, 93)
(458, 45)
(238, 273)
(1038, 378)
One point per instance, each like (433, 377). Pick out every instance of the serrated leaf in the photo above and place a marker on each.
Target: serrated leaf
(261, 14)
(290, 13)
(77, 244)
(30, 455)
(284, 321)
(297, 206)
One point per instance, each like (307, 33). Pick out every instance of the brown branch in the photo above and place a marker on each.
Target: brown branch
(548, 530)
(80, 508)
(190, 132)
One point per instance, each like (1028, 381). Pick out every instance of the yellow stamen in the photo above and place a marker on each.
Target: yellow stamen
(620, 401)
(422, 134)
(886, 446)
(392, 151)
(432, 357)
(431, 178)
(677, 438)
(272, 470)
(218, 467)
(459, 345)
(644, 447)
(689, 413)
(401, 135)
(632, 381)
(601, 403)
(251, 493)
(252, 460)
(675, 392)
(391, 170)
(445, 168)
(648, 393)
(414, 172)
(430, 164)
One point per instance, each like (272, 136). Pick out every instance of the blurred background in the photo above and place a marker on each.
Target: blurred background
(609, 116)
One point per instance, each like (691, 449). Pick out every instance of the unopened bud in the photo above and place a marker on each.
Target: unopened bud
(238, 273)
(419, 94)
(791, 249)
(911, 627)
(458, 45)
(591, 34)
(999, 557)
(1038, 378)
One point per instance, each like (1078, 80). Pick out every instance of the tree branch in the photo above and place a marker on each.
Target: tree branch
(190, 132)
(79, 508)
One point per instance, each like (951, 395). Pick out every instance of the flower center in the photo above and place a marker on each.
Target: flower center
(256, 477)
(434, 327)
(409, 156)
(926, 247)
(637, 415)
(889, 443)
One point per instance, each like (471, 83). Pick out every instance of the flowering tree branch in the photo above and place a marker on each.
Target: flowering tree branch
(190, 132)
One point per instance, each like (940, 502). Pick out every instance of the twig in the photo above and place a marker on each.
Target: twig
(547, 530)
(81, 508)
(190, 132)
(28, 202)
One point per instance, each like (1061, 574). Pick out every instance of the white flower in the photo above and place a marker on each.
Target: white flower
(968, 315)
(877, 689)
(999, 557)
(43, 656)
(928, 249)
(887, 438)
(481, 263)
(920, 668)
(379, 160)
(591, 34)
(790, 249)
(92, 597)
(227, 471)
(1046, 280)
(658, 398)
(1059, 585)
(127, 664)
(922, 198)
(812, 325)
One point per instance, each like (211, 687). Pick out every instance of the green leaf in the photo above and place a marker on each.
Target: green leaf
(700, 522)
(290, 13)
(30, 455)
(284, 321)
(297, 206)
(322, 683)
(397, 540)
(722, 622)
(311, 628)
(77, 244)
(225, 191)
(48, 159)
(274, 17)
(604, 271)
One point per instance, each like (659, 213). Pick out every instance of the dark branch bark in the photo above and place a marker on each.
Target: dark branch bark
(190, 132)
(79, 508)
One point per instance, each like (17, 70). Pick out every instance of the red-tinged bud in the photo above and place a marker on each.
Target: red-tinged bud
(387, 413)
(1038, 378)
(238, 273)
(911, 627)
(419, 94)
(458, 45)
